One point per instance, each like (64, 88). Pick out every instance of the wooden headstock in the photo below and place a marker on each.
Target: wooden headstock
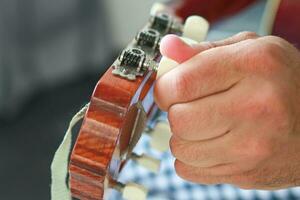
(120, 106)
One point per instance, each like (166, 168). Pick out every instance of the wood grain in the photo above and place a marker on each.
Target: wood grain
(91, 159)
(102, 147)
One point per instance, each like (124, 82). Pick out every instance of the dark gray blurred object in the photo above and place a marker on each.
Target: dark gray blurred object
(44, 43)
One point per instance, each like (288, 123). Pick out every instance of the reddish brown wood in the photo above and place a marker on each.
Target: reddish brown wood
(101, 129)
(106, 128)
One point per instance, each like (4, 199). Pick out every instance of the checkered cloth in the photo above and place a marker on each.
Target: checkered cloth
(166, 185)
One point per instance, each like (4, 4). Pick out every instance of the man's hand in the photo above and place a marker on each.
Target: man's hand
(234, 110)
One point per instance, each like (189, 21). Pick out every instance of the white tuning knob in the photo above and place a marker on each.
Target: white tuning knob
(195, 28)
(194, 31)
(157, 8)
(160, 136)
(132, 191)
(148, 162)
(165, 65)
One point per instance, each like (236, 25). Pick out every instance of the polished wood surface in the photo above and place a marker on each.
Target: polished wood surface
(105, 140)
(101, 129)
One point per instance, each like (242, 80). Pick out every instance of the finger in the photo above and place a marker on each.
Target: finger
(227, 173)
(245, 35)
(210, 72)
(206, 153)
(204, 118)
(176, 49)
(173, 47)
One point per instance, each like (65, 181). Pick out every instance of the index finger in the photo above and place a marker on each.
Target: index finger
(208, 73)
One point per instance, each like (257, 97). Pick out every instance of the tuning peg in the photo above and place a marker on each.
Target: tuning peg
(195, 28)
(194, 31)
(133, 191)
(165, 65)
(160, 136)
(146, 161)
(157, 8)
(130, 191)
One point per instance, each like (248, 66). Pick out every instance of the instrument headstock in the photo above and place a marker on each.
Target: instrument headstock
(120, 106)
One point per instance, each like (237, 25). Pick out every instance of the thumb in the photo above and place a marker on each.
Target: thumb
(171, 46)
(176, 49)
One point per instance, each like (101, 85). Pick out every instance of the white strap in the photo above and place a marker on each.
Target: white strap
(269, 15)
(59, 166)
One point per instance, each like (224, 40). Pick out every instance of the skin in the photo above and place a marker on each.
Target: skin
(234, 110)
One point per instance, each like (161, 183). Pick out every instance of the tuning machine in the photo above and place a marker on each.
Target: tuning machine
(165, 23)
(133, 62)
(148, 37)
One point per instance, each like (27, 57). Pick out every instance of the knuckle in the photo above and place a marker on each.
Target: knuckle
(270, 105)
(253, 151)
(258, 150)
(270, 49)
(276, 109)
(180, 150)
(264, 56)
(175, 119)
(160, 91)
(263, 104)
(248, 35)
(254, 109)
(193, 175)
(271, 56)
(186, 152)
(209, 44)
(273, 101)
(180, 169)
(259, 108)
(175, 147)
(274, 39)
(180, 86)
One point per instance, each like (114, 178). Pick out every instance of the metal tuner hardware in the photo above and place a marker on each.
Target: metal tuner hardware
(165, 23)
(148, 37)
(133, 62)
(141, 54)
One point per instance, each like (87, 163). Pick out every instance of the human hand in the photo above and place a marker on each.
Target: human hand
(234, 110)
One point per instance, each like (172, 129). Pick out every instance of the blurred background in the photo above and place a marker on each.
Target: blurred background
(52, 53)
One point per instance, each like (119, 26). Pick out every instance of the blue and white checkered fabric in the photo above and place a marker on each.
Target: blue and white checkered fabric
(166, 185)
